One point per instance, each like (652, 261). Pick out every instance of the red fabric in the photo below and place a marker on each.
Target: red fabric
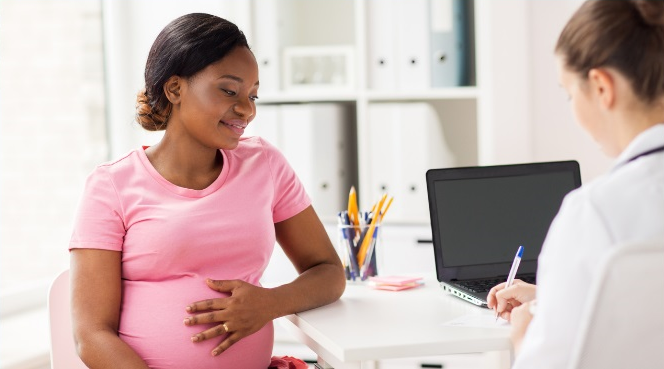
(287, 362)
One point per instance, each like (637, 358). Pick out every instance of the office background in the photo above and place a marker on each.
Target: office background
(70, 69)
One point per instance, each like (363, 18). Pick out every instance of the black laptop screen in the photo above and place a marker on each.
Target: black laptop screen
(484, 220)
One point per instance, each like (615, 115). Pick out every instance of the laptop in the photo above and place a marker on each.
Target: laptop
(481, 215)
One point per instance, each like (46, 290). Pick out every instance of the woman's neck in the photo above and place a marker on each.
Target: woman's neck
(636, 121)
(184, 162)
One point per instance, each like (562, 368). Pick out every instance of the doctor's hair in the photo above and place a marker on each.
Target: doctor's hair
(625, 35)
(184, 47)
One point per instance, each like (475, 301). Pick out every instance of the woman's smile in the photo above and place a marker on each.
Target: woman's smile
(235, 125)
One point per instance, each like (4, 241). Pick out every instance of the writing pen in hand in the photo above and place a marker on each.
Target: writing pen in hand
(510, 277)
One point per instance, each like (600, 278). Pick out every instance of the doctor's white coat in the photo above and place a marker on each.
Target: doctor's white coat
(625, 205)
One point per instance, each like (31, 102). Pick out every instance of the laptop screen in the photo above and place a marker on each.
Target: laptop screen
(481, 215)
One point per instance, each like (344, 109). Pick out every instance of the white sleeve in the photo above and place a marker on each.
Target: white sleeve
(577, 238)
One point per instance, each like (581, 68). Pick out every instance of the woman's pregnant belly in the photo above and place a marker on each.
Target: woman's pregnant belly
(151, 322)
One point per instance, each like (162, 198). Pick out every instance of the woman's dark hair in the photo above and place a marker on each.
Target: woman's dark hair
(625, 35)
(184, 47)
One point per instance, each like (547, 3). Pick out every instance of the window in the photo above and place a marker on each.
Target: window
(52, 134)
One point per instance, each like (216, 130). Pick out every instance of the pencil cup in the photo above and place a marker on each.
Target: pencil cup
(359, 249)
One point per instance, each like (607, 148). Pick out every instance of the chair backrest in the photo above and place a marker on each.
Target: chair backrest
(63, 351)
(623, 324)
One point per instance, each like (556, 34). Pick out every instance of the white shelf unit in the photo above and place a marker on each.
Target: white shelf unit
(470, 135)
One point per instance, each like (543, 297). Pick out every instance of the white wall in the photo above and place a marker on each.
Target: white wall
(524, 113)
(554, 133)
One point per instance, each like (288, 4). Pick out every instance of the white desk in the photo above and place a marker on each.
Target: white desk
(367, 325)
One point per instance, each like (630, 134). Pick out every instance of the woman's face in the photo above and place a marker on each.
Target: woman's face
(218, 102)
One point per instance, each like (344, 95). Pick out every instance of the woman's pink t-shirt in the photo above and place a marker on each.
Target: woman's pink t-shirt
(173, 238)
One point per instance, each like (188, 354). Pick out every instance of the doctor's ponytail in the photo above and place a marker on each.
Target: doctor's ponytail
(652, 11)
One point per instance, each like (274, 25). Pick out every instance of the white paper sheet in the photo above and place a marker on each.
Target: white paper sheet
(478, 321)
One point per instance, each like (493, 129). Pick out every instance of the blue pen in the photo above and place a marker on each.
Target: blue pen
(346, 260)
(515, 266)
(346, 230)
(364, 271)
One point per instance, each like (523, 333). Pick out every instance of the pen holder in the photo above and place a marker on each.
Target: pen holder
(358, 248)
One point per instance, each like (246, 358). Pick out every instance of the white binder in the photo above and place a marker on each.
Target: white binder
(266, 124)
(383, 150)
(413, 62)
(267, 45)
(449, 43)
(405, 141)
(424, 147)
(381, 33)
(314, 141)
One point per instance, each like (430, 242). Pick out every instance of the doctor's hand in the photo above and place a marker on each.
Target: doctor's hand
(503, 300)
(242, 313)
(521, 318)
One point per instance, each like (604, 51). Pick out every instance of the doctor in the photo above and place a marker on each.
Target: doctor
(611, 64)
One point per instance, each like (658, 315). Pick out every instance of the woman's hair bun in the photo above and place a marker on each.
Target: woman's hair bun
(146, 116)
(652, 11)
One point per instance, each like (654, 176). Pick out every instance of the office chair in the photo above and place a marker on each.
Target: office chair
(63, 351)
(623, 322)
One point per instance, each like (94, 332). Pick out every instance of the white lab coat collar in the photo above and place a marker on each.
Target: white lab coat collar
(649, 139)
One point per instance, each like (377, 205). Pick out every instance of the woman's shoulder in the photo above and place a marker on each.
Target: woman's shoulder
(629, 200)
(638, 182)
(118, 166)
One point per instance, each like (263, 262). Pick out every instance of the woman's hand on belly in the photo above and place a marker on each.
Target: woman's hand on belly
(245, 311)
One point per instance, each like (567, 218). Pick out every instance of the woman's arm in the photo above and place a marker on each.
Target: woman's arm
(249, 308)
(96, 295)
(307, 245)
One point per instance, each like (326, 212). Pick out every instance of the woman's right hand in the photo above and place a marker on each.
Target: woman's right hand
(503, 300)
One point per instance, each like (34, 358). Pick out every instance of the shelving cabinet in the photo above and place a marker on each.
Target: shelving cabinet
(302, 23)
(480, 124)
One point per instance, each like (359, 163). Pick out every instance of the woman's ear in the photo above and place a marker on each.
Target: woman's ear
(172, 89)
(603, 86)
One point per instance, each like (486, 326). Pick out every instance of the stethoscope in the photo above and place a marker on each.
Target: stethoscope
(652, 151)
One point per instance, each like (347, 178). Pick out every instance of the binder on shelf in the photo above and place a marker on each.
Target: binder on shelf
(267, 45)
(424, 148)
(381, 53)
(448, 43)
(266, 124)
(382, 148)
(405, 140)
(314, 140)
(413, 62)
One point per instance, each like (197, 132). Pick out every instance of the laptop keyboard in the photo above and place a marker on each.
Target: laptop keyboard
(484, 285)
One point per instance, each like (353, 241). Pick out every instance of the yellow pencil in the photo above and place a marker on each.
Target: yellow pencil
(353, 210)
(389, 202)
(362, 253)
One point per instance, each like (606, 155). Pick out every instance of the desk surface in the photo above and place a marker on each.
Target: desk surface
(368, 324)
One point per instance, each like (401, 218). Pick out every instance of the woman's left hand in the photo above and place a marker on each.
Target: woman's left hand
(239, 315)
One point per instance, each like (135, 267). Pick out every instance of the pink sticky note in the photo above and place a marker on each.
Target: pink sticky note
(394, 280)
(391, 287)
